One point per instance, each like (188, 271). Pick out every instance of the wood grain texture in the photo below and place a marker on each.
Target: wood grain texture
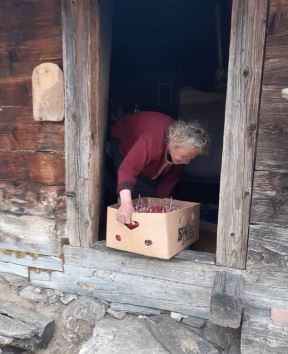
(272, 152)
(26, 198)
(30, 31)
(34, 259)
(28, 243)
(265, 289)
(34, 228)
(18, 131)
(268, 248)
(243, 92)
(15, 91)
(47, 169)
(48, 93)
(226, 300)
(16, 269)
(270, 198)
(177, 285)
(15, 14)
(84, 132)
(260, 336)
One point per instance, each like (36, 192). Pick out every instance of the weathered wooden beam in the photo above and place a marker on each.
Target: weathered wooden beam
(26, 198)
(270, 199)
(83, 135)
(31, 259)
(260, 336)
(183, 286)
(38, 167)
(11, 268)
(268, 248)
(272, 134)
(226, 300)
(33, 228)
(247, 39)
(38, 34)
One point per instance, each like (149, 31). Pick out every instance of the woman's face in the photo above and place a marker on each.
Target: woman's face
(183, 155)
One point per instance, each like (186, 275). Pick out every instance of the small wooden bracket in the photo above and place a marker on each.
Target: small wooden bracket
(226, 300)
(284, 93)
(48, 93)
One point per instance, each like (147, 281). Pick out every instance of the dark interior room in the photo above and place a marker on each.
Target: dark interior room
(171, 56)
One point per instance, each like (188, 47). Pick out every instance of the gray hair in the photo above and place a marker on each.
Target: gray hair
(189, 134)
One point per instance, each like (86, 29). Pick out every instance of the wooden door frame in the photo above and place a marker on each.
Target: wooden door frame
(246, 53)
(84, 137)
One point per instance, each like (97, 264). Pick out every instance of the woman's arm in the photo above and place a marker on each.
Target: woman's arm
(126, 207)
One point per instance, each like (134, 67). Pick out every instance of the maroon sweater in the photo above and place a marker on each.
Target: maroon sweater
(143, 142)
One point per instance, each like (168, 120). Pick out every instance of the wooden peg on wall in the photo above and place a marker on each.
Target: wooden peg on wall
(48, 93)
(284, 93)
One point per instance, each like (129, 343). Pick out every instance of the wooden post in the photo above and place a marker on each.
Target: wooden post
(226, 300)
(243, 92)
(84, 132)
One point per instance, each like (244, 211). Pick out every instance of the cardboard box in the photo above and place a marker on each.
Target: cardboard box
(160, 235)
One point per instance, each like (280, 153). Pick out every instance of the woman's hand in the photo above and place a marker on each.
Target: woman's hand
(126, 209)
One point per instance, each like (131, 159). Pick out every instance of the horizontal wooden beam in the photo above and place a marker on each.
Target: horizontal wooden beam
(179, 285)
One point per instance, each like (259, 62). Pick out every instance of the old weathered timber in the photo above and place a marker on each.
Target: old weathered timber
(226, 300)
(248, 26)
(83, 129)
(34, 260)
(18, 130)
(270, 198)
(11, 268)
(260, 336)
(44, 168)
(272, 151)
(268, 248)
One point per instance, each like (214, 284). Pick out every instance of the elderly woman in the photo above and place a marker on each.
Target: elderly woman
(154, 148)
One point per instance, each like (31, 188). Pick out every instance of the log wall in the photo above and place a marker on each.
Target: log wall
(267, 248)
(32, 172)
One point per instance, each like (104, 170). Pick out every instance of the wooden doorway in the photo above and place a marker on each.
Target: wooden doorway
(85, 122)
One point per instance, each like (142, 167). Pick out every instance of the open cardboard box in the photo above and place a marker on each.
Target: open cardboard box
(160, 235)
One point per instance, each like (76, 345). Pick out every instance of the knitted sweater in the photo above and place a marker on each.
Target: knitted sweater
(143, 142)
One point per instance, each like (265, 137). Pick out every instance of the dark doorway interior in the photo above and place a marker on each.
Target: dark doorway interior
(171, 56)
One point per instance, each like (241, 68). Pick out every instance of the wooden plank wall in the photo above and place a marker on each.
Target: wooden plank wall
(32, 172)
(268, 237)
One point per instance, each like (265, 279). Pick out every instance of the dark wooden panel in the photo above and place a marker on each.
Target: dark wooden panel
(47, 169)
(268, 248)
(272, 152)
(28, 198)
(38, 48)
(12, 69)
(18, 130)
(16, 91)
(16, 14)
(278, 17)
(270, 198)
(30, 31)
(276, 71)
(276, 46)
(277, 31)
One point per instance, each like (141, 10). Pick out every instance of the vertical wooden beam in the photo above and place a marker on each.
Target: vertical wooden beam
(247, 41)
(83, 135)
